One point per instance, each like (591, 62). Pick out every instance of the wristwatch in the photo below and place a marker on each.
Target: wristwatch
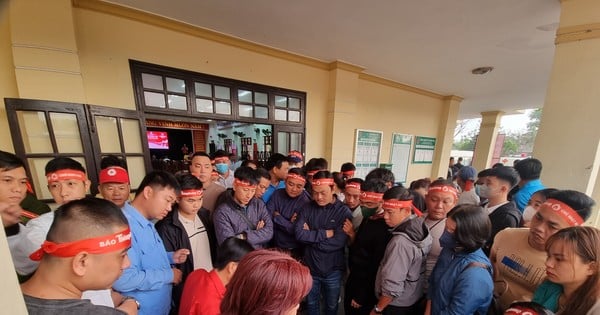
(125, 298)
(377, 310)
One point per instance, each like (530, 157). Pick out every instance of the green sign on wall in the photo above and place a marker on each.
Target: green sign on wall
(424, 148)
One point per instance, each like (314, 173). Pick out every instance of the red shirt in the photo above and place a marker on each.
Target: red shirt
(202, 293)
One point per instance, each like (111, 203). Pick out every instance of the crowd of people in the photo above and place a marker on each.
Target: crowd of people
(294, 238)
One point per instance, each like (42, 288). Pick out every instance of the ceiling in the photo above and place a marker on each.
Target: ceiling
(429, 44)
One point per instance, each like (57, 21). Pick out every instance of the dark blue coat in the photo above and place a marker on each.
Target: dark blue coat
(323, 255)
(283, 229)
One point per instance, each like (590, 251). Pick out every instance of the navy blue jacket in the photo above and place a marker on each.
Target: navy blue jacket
(323, 255)
(283, 229)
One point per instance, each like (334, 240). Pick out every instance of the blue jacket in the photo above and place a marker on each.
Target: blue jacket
(283, 229)
(323, 255)
(149, 277)
(455, 287)
(271, 189)
(522, 196)
(231, 219)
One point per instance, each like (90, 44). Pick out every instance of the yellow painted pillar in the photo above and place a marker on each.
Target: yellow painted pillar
(568, 139)
(341, 114)
(484, 149)
(445, 137)
(44, 50)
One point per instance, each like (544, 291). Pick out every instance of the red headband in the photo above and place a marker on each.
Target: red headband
(297, 177)
(65, 174)
(190, 193)
(369, 196)
(322, 182)
(97, 245)
(396, 204)
(243, 183)
(354, 185)
(445, 188)
(113, 174)
(563, 210)
(520, 310)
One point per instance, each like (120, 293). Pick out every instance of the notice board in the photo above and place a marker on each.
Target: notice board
(367, 149)
(424, 147)
(400, 155)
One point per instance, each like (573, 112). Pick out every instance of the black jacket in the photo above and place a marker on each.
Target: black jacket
(506, 216)
(175, 237)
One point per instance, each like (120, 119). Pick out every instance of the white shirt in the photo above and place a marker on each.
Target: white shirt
(198, 241)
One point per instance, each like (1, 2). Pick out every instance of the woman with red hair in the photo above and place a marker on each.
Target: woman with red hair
(266, 282)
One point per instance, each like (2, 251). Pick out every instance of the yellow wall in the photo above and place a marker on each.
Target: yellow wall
(392, 110)
(97, 39)
(8, 85)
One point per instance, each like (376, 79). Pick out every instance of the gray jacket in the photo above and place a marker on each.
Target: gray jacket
(401, 274)
(231, 219)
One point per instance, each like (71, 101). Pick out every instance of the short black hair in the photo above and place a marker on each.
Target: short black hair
(473, 227)
(398, 193)
(246, 174)
(316, 164)
(484, 173)
(156, 179)
(63, 163)
(246, 162)
(420, 183)
(374, 185)
(529, 169)
(297, 171)
(441, 182)
(261, 172)
(188, 181)
(506, 174)
(9, 161)
(338, 179)
(578, 201)
(348, 166)
(220, 153)
(322, 174)
(200, 153)
(381, 173)
(231, 250)
(275, 160)
(356, 180)
(497, 165)
(112, 160)
(84, 218)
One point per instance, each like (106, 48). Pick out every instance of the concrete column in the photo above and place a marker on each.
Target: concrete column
(445, 137)
(484, 148)
(341, 114)
(568, 140)
(45, 51)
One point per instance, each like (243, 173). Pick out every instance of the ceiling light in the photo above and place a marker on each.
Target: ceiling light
(482, 70)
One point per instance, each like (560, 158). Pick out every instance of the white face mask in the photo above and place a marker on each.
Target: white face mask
(484, 191)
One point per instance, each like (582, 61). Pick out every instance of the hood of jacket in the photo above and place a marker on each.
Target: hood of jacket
(414, 230)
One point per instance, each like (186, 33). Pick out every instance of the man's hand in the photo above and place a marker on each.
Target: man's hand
(306, 227)
(276, 213)
(11, 214)
(329, 233)
(177, 275)
(260, 225)
(348, 227)
(180, 255)
(354, 304)
(294, 217)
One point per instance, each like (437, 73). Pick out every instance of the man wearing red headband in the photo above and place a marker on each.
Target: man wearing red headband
(441, 197)
(518, 255)
(367, 251)
(189, 226)
(242, 215)
(320, 228)
(86, 249)
(285, 205)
